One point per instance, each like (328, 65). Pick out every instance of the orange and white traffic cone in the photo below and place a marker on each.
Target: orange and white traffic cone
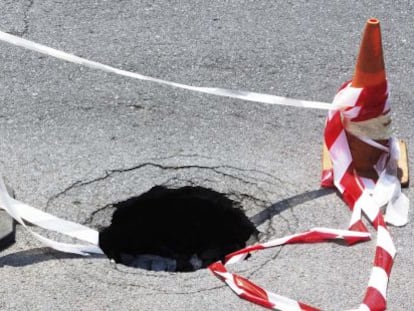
(369, 72)
(374, 121)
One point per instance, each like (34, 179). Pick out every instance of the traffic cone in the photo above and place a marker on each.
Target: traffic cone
(369, 72)
(370, 68)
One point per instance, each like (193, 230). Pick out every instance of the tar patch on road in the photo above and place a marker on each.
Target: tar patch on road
(181, 229)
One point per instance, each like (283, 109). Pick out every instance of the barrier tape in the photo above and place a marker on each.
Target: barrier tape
(376, 128)
(22, 212)
(361, 194)
(374, 196)
(243, 95)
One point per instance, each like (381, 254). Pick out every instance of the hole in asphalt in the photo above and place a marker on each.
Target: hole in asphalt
(183, 229)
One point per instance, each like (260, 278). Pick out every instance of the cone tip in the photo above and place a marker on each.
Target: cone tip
(373, 21)
(370, 69)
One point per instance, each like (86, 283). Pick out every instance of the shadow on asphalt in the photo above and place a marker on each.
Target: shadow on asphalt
(280, 206)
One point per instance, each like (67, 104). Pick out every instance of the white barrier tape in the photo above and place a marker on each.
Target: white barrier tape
(369, 130)
(373, 143)
(243, 95)
(375, 128)
(363, 307)
(365, 200)
(22, 212)
(398, 203)
(384, 241)
(53, 223)
(379, 281)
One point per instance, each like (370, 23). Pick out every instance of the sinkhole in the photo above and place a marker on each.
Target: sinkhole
(182, 229)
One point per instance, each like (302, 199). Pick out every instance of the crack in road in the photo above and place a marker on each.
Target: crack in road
(269, 210)
(128, 283)
(90, 219)
(240, 197)
(265, 263)
(26, 24)
(26, 17)
(218, 169)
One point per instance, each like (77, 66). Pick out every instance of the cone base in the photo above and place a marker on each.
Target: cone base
(403, 171)
(365, 156)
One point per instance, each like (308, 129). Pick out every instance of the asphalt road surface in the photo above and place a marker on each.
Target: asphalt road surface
(62, 127)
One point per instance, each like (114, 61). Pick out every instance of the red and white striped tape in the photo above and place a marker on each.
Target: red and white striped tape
(365, 195)
(361, 195)
(252, 292)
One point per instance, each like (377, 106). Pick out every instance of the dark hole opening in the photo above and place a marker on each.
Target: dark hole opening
(181, 229)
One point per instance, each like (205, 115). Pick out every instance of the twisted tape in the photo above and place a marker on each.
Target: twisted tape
(243, 95)
(23, 213)
(362, 195)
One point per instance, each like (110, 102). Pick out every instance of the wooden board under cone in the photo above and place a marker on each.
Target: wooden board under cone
(402, 163)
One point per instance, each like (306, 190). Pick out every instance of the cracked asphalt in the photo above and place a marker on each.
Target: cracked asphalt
(74, 141)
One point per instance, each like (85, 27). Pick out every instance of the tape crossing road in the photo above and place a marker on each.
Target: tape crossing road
(362, 195)
(243, 95)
